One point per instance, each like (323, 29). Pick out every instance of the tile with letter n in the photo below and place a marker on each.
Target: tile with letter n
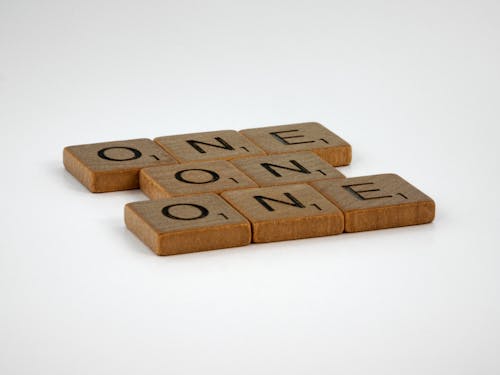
(378, 201)
(192, 178)
(286, 212)
(308, 136)
(187, 224)
(281, 169)
(215, 145)
(112, 166)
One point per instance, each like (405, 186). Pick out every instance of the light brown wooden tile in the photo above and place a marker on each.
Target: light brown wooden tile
(187, 224)
(111, 166)
(192, 178)
(286, 212)
(309, 136)
(216, 145)
(377, 202)
(292, 168)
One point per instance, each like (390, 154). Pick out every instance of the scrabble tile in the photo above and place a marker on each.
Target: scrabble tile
(187, 224)
(216, 145)
(192, 178)
(112, 166)
(286, 212)
(309, 136)
(377, 202)
(281, 169)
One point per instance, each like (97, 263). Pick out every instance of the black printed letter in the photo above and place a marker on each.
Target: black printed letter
(357, 193)
(223, 144)
(203, 211)
(300, 168)
(213, 176)
(102, 153)
(283, 140)
(294, 201)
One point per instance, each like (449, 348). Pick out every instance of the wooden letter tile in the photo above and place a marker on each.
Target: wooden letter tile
(192, 178)
(377, 202)
(281, 169)
(112, 166)
(187, 224)
(309, 136)
(217, 145)
(286, 212)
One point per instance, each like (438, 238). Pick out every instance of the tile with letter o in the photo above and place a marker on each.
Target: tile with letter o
(192, 178)
(111, 166)
(378, 202)
(281, 169)
(308, 136)
(286, 212)
(215, 145)
(187, 224)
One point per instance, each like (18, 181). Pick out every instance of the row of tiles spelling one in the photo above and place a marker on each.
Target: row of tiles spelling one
(209, 221)
(112, 166)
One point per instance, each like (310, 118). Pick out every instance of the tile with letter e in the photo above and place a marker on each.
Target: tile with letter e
(286, 212)
(187, 224)
(281, 169)
(216, 145)
(308, 136)
(378, 202)
(192, 178)
(112, 166)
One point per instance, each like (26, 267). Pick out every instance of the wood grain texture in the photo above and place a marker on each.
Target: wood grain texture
(216, 145)
(112, 166)
(378, 202)
(192, 178)
(291, 168)
(286, 212)
(187, 224)
(309, 136)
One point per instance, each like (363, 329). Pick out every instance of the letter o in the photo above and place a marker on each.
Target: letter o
(203, 211)
(213, 176)
(102, 153)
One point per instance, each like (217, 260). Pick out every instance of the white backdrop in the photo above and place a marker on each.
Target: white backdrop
(414, 86)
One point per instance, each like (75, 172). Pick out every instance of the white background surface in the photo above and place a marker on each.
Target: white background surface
(414, 86)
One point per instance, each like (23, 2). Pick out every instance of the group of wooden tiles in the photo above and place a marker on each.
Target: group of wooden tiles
(226, 188)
